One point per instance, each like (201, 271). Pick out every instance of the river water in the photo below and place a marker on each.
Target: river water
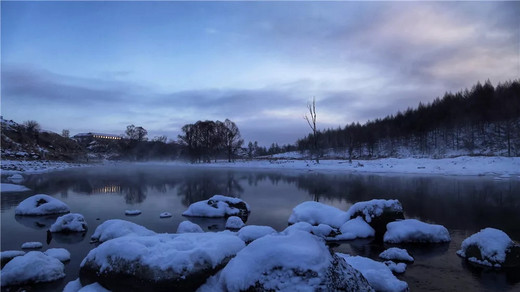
(464, 205)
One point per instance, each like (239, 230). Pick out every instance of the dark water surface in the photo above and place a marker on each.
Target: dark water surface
(464, 205)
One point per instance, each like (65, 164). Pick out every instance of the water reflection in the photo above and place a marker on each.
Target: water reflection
(37, 222)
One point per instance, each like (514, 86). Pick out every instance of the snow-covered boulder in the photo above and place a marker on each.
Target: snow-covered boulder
(396, 254)
(75, 286)
(61, 254)
(132, 212)
(218, 206)
(13, 188)
(354, 228)
(234, 222)
(165, 215)
(251, 233)
(41, 204)
(69, 223)
(115, 228)
(32, 245)
(316, 213)
(33, 267)
(320, 230)
(378, 213)
(16, 178)
(415, 231)
(7, 255)
(159, 262)
(491, 247)
(397, 268)
(189, 227)
(297, 261)
(378, 274)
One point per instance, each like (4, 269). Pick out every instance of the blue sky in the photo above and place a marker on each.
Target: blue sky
(100, 66)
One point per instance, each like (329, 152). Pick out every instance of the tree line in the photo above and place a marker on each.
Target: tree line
(483, 120)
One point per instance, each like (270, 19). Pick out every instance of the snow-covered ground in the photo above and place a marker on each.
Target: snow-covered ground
(36, 166)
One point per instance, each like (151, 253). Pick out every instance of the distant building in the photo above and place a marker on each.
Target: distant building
(82, 137)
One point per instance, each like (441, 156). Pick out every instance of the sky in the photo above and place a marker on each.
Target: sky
(100, 66)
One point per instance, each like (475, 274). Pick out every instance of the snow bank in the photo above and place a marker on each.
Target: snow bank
(189, 227)
(253, 232)
(412, 230)
(41, 205)
(373, 208)
(61, 254)
(115, 228)
(132, 212)
(297, 261)
(33, 267)
(396, 254)
(492, 244)
(13, 188)
(378, 274)
(234, 222)
(398, 268)
(355, 228)
(316, 213)
(73, 222)
(165, 215)
(218, 206)
(32, 245)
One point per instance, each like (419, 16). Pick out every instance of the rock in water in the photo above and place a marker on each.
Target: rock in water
(219, 206)
(41, 204)
(415, 231)
(33, 267)
(116, 228)
(234, 222)
(69, 223)
(377, 213)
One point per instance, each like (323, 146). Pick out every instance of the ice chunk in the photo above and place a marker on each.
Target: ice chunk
(412, 230)
(73, 222)
(378, 274)
(189, 227)
(41, 205)
(115, 228)
(32, 245)
(59, 253)
(253, 232)
(397, 254)
(218, 206)
(316, 213)
(33, 267)
(234, 222)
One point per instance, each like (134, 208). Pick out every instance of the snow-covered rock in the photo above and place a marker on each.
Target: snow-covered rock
(299, 226)
(5, 187)
(187, 226)
(491, 247)
(69, 223)
(397, 268)
(250, 233)
(115, 228)
(162, 261)
(61, 254)
(32, 245)
(378, 274)
(16, 178)
(165, 215)
(355, 228)
(33, 267)
(41, 204)
(396, 254)
(377, 213)
(132, 212)
(8, 255)
(297, 261)
(218, 206)
(75, 286)
(316, 213)
(234, 222)
(412, 230)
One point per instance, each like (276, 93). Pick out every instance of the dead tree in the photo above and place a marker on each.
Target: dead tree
(311, 120)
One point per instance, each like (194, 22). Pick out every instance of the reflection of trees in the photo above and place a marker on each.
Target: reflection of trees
(202, 187)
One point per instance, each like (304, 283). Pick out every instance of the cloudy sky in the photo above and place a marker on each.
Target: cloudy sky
(100, 66)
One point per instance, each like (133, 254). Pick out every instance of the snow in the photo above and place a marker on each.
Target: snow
(412, 230)
(492, 243)
(300, 226)
(36, 166)
(165, 215)
(216, 206)
(253, 232)
(132, 212)
(9, 254)
(316, 213)
(61, 254)
(180, 253)
(234, 222)
(378, 274)
(75, 286)
(397, 254)
(398, 268)
(73, 222)
(373, 208)
(115, 228)
(355, 228)
(33, 267)
(41, 204)
(13, 188)
(297, 261)
(189, 227)
(16, 178)
(32, 245)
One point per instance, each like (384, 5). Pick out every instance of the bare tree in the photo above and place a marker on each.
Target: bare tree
(311, 120)
(32, 126)
(232, 139)
(65, 133)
